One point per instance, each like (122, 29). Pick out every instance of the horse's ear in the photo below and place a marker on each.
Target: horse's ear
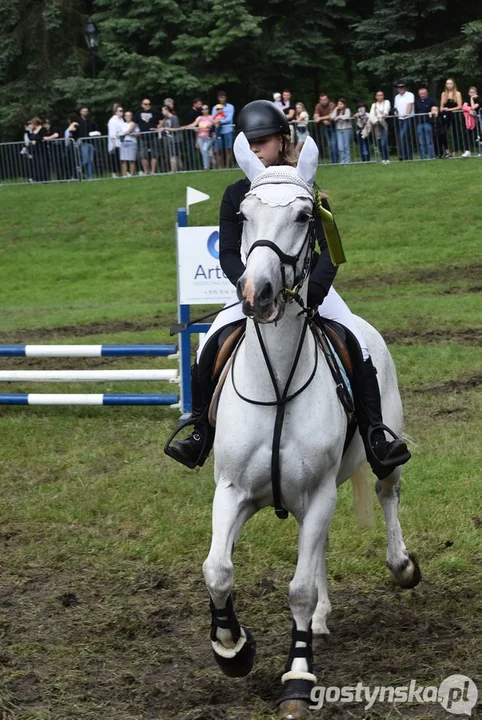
(308, 161)
(249, 163)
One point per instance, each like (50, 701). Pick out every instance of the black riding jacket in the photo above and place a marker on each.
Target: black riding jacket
(230, 231)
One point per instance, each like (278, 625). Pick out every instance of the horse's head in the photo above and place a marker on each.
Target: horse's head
(277, 216)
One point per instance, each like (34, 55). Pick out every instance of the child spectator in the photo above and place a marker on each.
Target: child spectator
(301, 119)
(471, 114)
(128, 148)
(362, 119)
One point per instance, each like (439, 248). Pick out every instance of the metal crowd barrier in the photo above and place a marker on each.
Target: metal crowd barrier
(165, 151)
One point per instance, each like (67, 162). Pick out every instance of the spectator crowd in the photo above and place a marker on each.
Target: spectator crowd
(148, 140)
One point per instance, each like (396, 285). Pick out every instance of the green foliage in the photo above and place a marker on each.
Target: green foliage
(419, 40)
(40, 42)
(186, 47)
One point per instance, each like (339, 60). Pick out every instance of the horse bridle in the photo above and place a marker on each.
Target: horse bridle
(292, 260)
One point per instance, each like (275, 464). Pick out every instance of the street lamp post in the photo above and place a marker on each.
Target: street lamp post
(91, 35)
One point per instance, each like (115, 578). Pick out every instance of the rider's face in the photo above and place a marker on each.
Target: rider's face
(267, 148)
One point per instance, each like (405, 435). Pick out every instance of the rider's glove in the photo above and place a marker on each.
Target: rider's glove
(316, 294)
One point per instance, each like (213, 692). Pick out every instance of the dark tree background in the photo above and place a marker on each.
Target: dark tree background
(182, 48)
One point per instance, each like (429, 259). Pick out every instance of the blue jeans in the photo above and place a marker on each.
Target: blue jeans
(425, 140)
(343, 138)
(87, 158)
(330, 135)
(382, 143)
(204, 148)
(364, 148)
(405, 127)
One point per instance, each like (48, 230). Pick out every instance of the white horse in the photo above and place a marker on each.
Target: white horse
(277, 212)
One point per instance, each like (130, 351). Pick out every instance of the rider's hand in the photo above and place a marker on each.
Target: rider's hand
(316, 294)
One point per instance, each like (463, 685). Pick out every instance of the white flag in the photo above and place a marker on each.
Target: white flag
(194, 196)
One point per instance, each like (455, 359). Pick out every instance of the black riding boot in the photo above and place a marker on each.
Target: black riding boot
(382, 454)
(194, 450)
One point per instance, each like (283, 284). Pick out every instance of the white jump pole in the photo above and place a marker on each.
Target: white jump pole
(65, 376)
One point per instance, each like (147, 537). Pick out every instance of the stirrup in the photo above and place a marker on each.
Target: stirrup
(203, 452)
(389, 462)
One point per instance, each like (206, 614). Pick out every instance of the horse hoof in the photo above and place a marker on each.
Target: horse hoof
(410, 576)
(295, 699)
(293, 709)
(242, 663)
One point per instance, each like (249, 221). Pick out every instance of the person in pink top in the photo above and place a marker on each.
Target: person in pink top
(204, 125)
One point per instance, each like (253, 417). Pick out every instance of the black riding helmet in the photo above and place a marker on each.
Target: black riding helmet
(260, 118)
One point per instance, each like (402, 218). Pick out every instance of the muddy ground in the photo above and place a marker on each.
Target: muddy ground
(138, 648)
(99, 642)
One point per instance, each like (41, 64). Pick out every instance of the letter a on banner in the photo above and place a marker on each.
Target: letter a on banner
(194, 196)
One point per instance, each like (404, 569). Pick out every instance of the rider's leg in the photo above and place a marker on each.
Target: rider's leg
(382, 454)
(194, 450)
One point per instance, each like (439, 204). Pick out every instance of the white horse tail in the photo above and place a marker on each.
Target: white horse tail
(362, 486)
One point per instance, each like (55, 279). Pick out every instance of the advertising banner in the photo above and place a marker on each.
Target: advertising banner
(200, 278)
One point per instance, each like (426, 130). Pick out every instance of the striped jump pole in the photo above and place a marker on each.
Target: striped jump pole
(87, 399)
(67, 376)
(85, 351)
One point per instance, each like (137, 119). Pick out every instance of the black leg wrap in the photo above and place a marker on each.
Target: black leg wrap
(305, 636)
(296, 690)
(242, 663)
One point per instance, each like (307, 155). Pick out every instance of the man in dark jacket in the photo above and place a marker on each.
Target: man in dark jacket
(423, 105)
(85, 127)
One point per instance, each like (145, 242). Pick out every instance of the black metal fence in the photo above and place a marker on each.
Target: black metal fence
(421, 137)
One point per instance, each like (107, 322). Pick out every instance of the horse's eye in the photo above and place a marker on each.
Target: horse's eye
(303, 217)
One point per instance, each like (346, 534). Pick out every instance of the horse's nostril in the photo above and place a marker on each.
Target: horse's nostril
(240, 285)
(266, 294)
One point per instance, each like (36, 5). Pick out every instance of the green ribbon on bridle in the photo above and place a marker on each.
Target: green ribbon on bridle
(332, 233)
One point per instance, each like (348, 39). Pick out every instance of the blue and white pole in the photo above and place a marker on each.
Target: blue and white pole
(87, 399)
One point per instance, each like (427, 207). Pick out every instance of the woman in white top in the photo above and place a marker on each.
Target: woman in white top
(379, 112)
(115, 128)
(341, 115)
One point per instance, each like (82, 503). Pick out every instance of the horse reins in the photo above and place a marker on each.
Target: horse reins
(282, 398)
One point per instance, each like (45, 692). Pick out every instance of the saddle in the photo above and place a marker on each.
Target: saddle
(340, 347)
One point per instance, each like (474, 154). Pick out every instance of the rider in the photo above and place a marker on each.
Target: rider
(268, 133)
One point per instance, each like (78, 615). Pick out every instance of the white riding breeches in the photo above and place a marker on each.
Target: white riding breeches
(332, 308)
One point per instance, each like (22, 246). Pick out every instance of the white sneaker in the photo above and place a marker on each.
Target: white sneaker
(466, 153)
(141, 172)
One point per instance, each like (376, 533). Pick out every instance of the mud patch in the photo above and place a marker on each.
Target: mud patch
(451, 276)
(136, 646)
(452, 386)
(65, 332)
(463, 336)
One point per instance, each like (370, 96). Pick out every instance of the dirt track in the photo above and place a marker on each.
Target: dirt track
(140, 648)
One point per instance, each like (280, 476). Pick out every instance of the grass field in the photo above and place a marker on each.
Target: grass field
(103, 609)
